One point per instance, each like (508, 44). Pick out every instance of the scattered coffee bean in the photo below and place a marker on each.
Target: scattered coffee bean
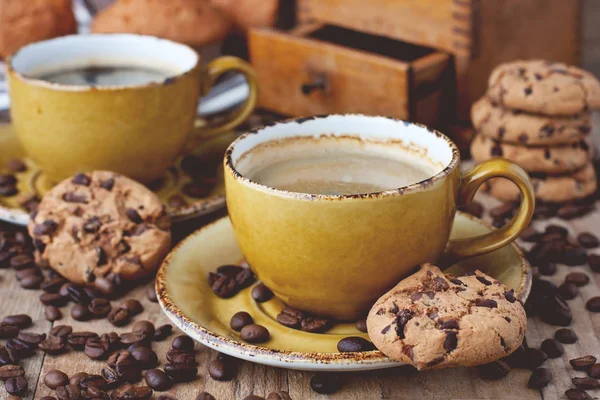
(7, 180)
(76, 379)
(582, 363)
(577, 278)
(586, 383)
(8, 331)
(146, 358)
(22, 261)
(181, 372)
(156, 379)
(52, 313)
(577, 394)
(574, 255)
(587, 240)
(64, 289)
(552, 348)
(78, 295)
(95, 381)
(593, 304)
(11, 371)
(7, 357)
(146, 328)
(180, 357)
(27, 272)
(314, 324)
(99, 308)
(255, 333)
(31, 338)
(261, 293)
(22, 321)
(557, 229)
(254, 397)
(77, 340)
(183, 343)
(531, 235)
(31, 282)
(205, 396)
(55, 378)
(534, 358)
(224, 286)
(133, 306)
(494, 370)
(245, 278)
(162, 332)
(79, 312)
(50, 398)
(325, 383)
(52, 345)
(221, 370)
(151, 294)
(96, 349)
(279, 395)
(540, 378)
(594, 371)
(96, 393)
(565, 335)
(361, 325)
(110, 376)
(16, 386)
(68, 392)
(290, 317)
(547, 268)
(517, 359)
(240, 320)
(53, 299)
(354, 344)
(61, 331)
(506, 210)
(118, 316)
(593, 261)
(555, 311)
(568, 291)
(130, 392)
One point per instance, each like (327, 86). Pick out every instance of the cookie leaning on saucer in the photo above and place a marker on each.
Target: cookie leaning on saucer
(517, 127)
(551, 160)
(98, 223)
(433, 320)
(544, 87)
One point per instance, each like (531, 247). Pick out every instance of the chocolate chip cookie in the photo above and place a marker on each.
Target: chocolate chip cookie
(553, 189)
(434, 320)
(551, 160)
(96, 223)
(544, 87)
(517, 127)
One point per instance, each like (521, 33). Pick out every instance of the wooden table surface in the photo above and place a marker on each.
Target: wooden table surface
(396, 383)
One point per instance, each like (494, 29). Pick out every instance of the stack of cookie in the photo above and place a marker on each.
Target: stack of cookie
(537, 114)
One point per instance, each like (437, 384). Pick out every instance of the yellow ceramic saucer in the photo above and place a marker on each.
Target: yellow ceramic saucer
(32, 183)
(189, 302)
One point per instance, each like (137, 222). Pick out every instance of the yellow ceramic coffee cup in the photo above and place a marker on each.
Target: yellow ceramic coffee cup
(334, 255)
(134, 129)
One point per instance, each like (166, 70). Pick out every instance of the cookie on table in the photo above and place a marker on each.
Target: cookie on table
(552, 189)
(544, 87)
(434, 320)
(517, 127)
(551, 160)
(93, 224)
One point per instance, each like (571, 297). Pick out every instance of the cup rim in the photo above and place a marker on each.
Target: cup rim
(447, 170)
(96, 36)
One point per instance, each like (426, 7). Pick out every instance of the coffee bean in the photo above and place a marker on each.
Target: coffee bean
(31, 338)
(77, 340)
(593, 304)
(565, 335)
(61, 331)
(180, 357)
(183, 343)
(53, 285)
(146, 328)
(224, 286)
(314, 324)
(582, 363)
(204, 396)
(181, 372)
(568, 291)
(587, 240)
(31, 282)
(586, 383)
(531, 235)
(156, 379)
(593, 261)
(361, 325)
(221, 370)
(7, 180)
(325, 383)
(76, 379)
(354, 344)
(80, 312)
(555, 311)
(96, 349)
(558, 229)
(95, 381)
(576, 394)
(494, 370)
(133, 306)
(20, 320)
(540, 378)
(97, 394)
(573, 256)
(240, 320)
(6, 357)
(552, 348)
(162, 332)
(55, 378)
(128, 370)
(52, 345)
(594, 371)
(11, 371)
(27, 272)
(517, 359)
(547, 268)
(505, 210)
(106, 287)
(8, 331)
(16, 386)
(130, 392)
(118, 316)
(151, 294)
(22, 261)
(279, 395)
(261, 293)
(534, 358)
(68, 392)
(78, 295)
(290, 317)
(253, 397)
(229, 270)
(577, 278)
(111, 377)
(64, 289)
(53, 299)
(245, 278)
(48, 398)
(146, 358)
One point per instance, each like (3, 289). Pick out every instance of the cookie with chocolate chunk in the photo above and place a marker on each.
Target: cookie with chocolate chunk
(517, 127)
(544, 87)
(98, 223)
(434, 320)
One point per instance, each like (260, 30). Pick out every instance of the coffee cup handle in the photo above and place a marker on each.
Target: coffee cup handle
(471, 180)
(214, 70)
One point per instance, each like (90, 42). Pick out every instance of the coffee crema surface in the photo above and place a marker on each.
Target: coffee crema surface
(106, 76)
(335, 165)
